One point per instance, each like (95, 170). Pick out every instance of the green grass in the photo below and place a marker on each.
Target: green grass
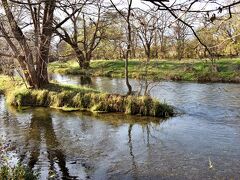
(228, 70)
(73, 98)
(18, 171)
(69, 67)
(6, 83)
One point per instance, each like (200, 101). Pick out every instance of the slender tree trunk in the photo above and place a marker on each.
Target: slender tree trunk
(128, 49)
(155, 54)
(126, 77)
(148, 53)
(133, 48)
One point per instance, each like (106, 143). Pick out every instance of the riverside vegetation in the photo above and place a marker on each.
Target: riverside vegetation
(76, 98)
(223, 70)
(12, 172)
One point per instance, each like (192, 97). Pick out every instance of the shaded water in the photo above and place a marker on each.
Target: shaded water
(115, 146)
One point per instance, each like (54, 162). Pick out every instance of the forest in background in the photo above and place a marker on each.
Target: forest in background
(34, 33)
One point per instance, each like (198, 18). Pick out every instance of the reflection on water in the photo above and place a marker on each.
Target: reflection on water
(114, 146)
(102, 83)
(41, 127)
(76, 80)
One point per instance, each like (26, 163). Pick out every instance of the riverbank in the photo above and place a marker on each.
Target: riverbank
(225, 70)
(79, 98)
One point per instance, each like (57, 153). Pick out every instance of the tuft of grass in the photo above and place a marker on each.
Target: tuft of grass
(17, 172)
(5, 83)
(147, 106)
(74, 98)
(12, 172)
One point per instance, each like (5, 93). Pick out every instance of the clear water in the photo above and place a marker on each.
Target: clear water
(115, 146)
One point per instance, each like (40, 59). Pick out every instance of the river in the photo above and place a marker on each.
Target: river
(115, 146)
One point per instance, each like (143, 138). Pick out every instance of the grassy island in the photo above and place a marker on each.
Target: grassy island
(225, 70)
(76, 98)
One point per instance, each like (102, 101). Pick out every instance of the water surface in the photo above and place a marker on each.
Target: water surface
(115, 146)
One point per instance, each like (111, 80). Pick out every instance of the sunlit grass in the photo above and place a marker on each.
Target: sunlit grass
(74, 98)
(228, 70)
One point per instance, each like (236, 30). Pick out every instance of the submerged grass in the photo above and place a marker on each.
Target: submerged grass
(13, 171)
(19, 171)
(227, 70)
(73, 98)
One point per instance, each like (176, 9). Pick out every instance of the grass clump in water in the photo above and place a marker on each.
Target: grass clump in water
(146, 106)
(73, 98)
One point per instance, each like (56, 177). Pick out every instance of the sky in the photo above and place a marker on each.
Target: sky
(141, 3)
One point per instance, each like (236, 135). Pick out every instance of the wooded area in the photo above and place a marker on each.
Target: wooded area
(88, 91)
(37, 32)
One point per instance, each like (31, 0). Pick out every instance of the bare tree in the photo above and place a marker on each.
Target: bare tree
(87, 29)
(180, 34)
(146, 28)
(163, 25)
(31, 46)
(35, 76)
(198, 7)
(127, 17)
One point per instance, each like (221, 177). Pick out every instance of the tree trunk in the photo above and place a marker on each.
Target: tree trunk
(148, 57)
(36, 77)
(80, 56)
(86, 64)
(148, 53)
(87, 60)
(27, 76)
(126, 77)
(83, 61)
(42, 62)
(128, 49)
(25, 61)
(46, 36)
